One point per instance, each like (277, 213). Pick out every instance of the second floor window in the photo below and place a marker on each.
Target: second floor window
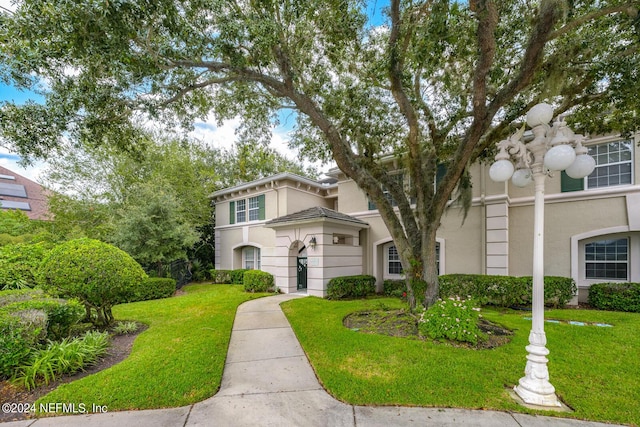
(241, 211)
(244, 210)
(613, 164)
(254, 209)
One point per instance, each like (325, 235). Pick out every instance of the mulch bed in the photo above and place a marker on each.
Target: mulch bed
(399, 323)
(119, 349)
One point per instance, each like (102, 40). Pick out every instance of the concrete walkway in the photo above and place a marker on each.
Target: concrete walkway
(268, 381)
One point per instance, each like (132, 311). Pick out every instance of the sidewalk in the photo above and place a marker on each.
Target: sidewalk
(267, 381)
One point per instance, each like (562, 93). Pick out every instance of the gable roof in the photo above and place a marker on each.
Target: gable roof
(18, 192)
(316, 213)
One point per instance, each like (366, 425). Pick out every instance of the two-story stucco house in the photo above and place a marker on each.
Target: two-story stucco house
(306, 232)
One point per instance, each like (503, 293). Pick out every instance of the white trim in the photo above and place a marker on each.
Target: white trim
(575, 242)
(601, 193)
(270, 180)
(632, 162)
(388, 240)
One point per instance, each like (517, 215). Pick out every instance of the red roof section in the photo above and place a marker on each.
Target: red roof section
(36, 194)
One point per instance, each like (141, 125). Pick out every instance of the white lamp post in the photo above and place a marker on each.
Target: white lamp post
(552, 149)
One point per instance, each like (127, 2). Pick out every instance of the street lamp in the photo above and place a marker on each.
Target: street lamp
(553, 148)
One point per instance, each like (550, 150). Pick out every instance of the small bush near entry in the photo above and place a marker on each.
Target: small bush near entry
(98, 274)
(221, 277)
(506, 291)
(615, 296)
(258, 281)
(351, 287)
(152, 288)
(453, 319)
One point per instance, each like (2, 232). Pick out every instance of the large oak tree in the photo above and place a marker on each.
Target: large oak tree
(437, 83)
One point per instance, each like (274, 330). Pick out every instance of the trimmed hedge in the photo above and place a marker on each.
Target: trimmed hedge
(220, 277)
(237, 276)
(228, 277)
(506, 291)
(397, 288)
(258, 281)
(19, 264)
(615, 296)
(58, 315)
(153, 288)
(351, 287)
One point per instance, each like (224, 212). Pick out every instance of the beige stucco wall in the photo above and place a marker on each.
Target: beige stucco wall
(463, 242)
(562, 220)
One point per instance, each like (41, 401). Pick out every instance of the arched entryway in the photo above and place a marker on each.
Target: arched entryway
(298, 260)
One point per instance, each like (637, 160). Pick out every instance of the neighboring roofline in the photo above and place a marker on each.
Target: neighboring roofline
(269, 179)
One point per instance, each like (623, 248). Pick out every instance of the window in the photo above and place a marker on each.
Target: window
(241, 211)
(251, 258)
(254, 209)
(607, 259)
(251, 209)
(613, 164)
(393, 265)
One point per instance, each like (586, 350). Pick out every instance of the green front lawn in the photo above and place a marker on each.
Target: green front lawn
(595, 370)
(177, 361)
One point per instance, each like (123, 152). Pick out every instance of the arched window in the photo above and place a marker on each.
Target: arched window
(392, 264)
(251, 258)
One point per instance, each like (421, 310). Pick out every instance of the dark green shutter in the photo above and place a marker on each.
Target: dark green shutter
(232, 212)
(261, 214)
(570, 184)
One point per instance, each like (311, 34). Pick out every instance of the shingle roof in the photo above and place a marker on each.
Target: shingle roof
(315, 213)
(18, 192)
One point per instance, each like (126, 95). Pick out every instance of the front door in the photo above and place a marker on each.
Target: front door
(302, 273)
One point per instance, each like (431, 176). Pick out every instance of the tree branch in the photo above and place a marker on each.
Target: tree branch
(630, 8)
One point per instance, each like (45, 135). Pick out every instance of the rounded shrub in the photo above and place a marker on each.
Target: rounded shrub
(98, 274)
(258, 281)
(351, 287)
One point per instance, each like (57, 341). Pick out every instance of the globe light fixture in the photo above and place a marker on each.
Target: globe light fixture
(501, 170)
(560, 157)
(522, 178)
(583, 165)
(553, 148)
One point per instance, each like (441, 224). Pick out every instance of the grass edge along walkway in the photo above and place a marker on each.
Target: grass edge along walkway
(594, 370)
(177, 361)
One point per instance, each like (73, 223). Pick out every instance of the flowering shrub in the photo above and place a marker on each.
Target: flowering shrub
(453, 319)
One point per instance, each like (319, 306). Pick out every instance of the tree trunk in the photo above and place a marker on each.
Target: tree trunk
(430, 265)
